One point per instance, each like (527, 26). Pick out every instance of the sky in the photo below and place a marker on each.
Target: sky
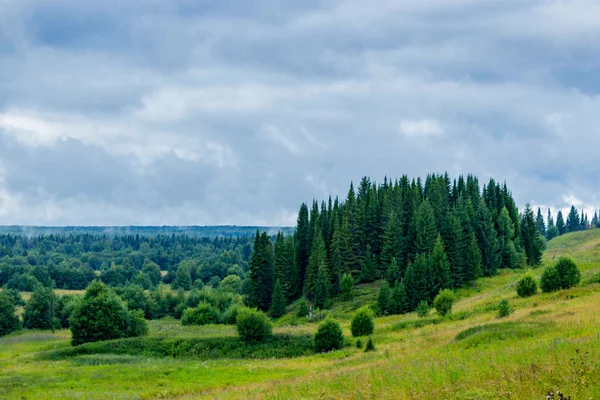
(204, 112)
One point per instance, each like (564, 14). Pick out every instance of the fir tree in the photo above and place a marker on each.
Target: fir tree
(539, 220)
(262, 273)
(368, 271)
(289, 278)
(318, 256)
(506, 234)
(302, 236)
(595, 220)
(425, 229)
(560, 224)
(455, 243)
(347, 286)
(487, 239)
(277, 301)
(439, 267)
(573, 221)
(473, 261)
(415, 281)
(322, 288)
(393, 274)
(400, 301)
(392, 240)
(384, 299)
(530, 237)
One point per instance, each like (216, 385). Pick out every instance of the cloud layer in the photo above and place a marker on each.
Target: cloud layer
(226, 112)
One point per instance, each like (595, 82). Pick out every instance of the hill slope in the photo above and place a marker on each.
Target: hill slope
(549, 343)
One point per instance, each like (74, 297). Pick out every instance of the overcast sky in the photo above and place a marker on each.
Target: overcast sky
(198, 112)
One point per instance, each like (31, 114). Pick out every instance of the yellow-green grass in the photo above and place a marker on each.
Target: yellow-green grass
(550, 342)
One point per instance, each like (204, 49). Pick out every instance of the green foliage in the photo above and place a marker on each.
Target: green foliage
(568, 272)
(65, 307)
(278, 302)
(423, 309)
(229, 317)
(368, 272)
(347, 286)
(100, 315)
(385, 299)
(531, 237)
(400, 301)
(15, 296)
(504, 309)
(262, 273)
(183, 277)
(359, 344)
(204, 314)
(393, 274)
(253, 326)
(362, 322)
(443, 302)
(136, 324)
(485, 334)
(231, 284)
(370, 346)
(527, 286)
(303, 310)
(550, 281)
(329, 336)
(439, 269)
(40, 311)
(9, 322)
(322, 287)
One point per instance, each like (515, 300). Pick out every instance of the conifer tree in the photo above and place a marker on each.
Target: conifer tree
(425, 229)
(322, 287)
(487, 239)
(262, 273)
(400, 301)
(439, 267)
(530, 237)
(318, 256)
(573, 221)
(289, 278)
(347, 286)
(595, 220)
(539, 220)
(393, 274)
(302, 235)
(415, 281)
(473, 261)
(455, 243)
(506, 234)
(560, 224)
(368, 271)
(384, 299)
(392, 240)
(341, 254)
(277, 301)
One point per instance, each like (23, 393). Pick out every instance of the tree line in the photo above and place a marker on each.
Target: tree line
(420, 236)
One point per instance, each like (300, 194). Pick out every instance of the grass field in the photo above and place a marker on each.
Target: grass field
(550, 342)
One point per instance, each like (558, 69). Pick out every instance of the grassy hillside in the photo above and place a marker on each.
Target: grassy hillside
(550, 342)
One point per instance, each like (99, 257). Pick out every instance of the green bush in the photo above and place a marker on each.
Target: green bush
(136, 324)
(568, 272)
(504, 309)
(527, 286)
(15, 295)
(101, 315)
(40, 311)
(229, 317)
(362, 322)
(550, 281)
(9, 322)
(370, 346)
(329, 336)
(204, 314)
(443, 302)
(423, 309)
(253, 326)
(358, 344)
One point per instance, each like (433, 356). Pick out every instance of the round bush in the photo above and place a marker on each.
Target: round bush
(329, 336)
(253, 326)
(527, 286)
(423, 309)
(443, 302)
(550, 281)
(568, 272)
(362, 322)
(204, 314)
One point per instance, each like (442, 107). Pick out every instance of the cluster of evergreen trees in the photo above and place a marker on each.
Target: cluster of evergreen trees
(573, 223)
(421, 236)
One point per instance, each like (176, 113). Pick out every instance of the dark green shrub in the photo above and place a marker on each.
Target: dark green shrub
(423, 309)
(443, 302)
(568, 272)
(100, 315)
(527, 286)
(253, 326)
(9, 322)
(358, 344)
(362, 322)
(370, 346)
(303, 310)
(550, 281)
(40, 311)
(504, 309)
(65, 307)
(329, 336)
(204, 314)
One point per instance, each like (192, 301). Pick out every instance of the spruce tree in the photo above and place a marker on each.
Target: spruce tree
(560, 224)
(392, 240)
(302, 235)
(455, 244)
(318, 256)
(415, 281)
(487, 239)
(290, 279)
(539, 220)
(400, 301)
(595, 220)
(506, 234)
(262, 273)
(277, 302)
(368, 271)
(322, 287)
(439, 267)
(385, 299)
(425, 229)
(573, 221)
(473, 268)
(530, 237)
(347, 286)
(393, 274)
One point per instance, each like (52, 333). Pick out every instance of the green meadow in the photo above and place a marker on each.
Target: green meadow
(551, 342)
